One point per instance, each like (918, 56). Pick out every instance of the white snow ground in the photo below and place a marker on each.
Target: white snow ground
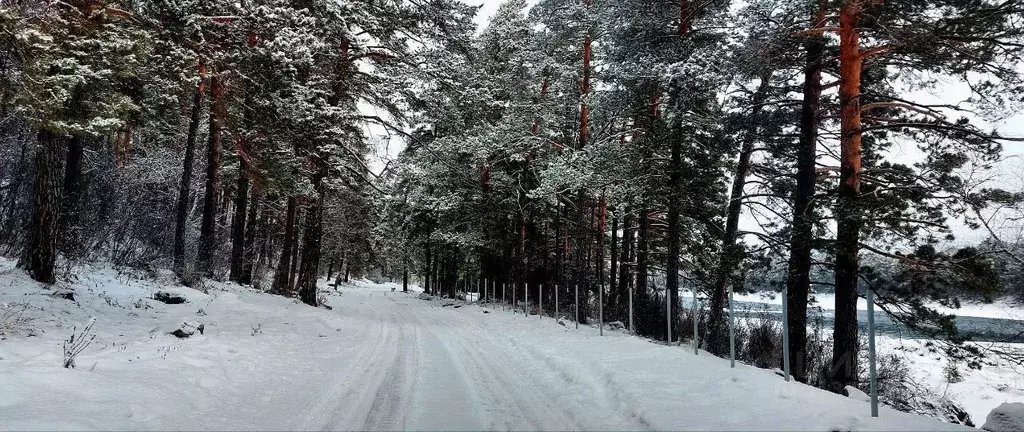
(380, 360)
(980, 391)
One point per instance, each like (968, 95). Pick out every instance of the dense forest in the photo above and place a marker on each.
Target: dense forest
(630, 149)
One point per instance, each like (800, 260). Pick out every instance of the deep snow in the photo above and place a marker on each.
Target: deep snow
(380, 360)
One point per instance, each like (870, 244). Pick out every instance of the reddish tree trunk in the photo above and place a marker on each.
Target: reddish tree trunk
(844, 354)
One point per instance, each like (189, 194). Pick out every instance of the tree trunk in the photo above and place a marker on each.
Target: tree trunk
(280, 285)
(642, 251)
(844, 352)
(310, 269)
(429, 271)
(184, 189)
(798, 282)
(624, 259)
(71, 200)
(613, 256)
(293, 271)
(208, 228)
(731, 252)
(41, 250)
(405, 278)
(599, 262)
(672, 258)
(249, 255)
(238, 225)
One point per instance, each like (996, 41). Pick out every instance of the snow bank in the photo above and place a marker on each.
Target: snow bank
(1008, 417)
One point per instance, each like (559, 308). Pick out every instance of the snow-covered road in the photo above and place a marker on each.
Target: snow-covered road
(422, 366)
(380, 360)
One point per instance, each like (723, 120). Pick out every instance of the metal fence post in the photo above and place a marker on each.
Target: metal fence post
(577, 306)
(526, 298)
(871, 353)
(785, 332)
(540, 301)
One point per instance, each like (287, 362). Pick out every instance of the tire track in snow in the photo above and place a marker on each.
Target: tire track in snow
(334, 409)
(390, 403)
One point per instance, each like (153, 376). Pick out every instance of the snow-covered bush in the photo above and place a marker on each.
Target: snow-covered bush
(898, 389)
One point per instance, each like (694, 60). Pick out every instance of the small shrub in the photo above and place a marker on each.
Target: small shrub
(12, 318)
(952, 373)
(77, 342)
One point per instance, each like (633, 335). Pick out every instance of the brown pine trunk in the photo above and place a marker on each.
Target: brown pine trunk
(280, 285)
(249, 255)
(684, 17)
(798, 282)
(844, 352)
(185, 187)
(405, 278)
(41, 250)
(238, 225)
(716, 334)
(208, 228)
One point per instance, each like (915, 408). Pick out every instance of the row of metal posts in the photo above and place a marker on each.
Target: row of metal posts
(481, 293)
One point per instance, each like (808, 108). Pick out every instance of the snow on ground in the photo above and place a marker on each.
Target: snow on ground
(380, 360)
(980, 391)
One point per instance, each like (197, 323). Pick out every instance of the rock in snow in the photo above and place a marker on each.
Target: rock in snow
(616, 325)
(168, 297)
(855, 393)
(1006, 418)
(187, 328)
(65, 294)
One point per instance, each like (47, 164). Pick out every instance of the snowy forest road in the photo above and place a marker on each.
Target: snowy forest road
(377, 360)
(426, 367)
(443, 365)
